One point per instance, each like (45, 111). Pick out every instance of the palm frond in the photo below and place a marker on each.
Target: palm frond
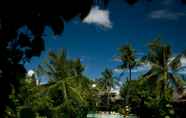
(155, 72)
(175, 63)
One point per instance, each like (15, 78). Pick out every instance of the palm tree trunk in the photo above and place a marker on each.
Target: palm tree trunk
(165, 70)
(130, 73)
(127, 95)
(165, 83)
(108, 96)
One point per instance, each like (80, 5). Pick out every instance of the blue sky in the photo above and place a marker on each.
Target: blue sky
(96, 39)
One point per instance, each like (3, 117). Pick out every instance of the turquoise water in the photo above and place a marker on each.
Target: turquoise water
(108, 116)
(103, 116)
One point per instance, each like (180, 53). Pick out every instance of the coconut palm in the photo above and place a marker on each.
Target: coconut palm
(107, 80)
(128, 59)
(126, 55)
(164, 68)
(66, 82)
(106, 83)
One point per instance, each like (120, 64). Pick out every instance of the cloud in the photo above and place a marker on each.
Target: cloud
(141, 68)
(147, 66)
(85, 59)
(183, 61)
(82, 58)
(98, 17)
(116, 70)
(166, 14)
(116, 59)
(183, 65)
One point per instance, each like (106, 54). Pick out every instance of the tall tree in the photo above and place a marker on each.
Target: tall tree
(107, 82)
(17, 48)
(163, 67)
(66, 86)
(127, 56)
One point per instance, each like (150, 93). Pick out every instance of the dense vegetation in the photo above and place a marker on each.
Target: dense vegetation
(68, 93)
(18, 48)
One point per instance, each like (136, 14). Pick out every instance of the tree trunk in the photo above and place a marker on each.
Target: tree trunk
(164, 86)
(108, 103)
(130, 73)
(127, 95)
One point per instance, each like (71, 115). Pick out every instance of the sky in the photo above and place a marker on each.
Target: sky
(95, 40)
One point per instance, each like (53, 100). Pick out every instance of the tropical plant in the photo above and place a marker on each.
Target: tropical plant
(153, 92)
(129, 61)
(66, 85)
(106, 82)
(22, 100)
(127, 57)
(143, 101)
(164, 68)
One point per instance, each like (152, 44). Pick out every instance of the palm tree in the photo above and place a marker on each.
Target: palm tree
(107, 82)
(163, 67)
(128, 58)
(66, 82)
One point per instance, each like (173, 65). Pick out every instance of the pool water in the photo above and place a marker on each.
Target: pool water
(103, 115)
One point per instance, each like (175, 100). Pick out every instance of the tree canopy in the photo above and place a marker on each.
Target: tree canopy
(17, 48)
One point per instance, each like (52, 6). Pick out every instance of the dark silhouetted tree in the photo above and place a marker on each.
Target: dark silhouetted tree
(17, 48)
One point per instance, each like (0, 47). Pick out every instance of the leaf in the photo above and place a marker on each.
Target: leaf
(36, 25)
(175, 63)
(85, 9)
(24, 40)
(37, 45)
(57, 25)
(131, 2)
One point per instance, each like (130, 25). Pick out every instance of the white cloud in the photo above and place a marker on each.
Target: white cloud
(116, 70)
(183, 65)
(147, 66)
(141, 68)
(98, 17)
(165, 14)
(84, 58)
(183, 61)
(116, 60)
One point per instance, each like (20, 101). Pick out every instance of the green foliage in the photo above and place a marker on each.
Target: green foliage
(127, 56)
(163, 70)
(105, 83)
(143, 98)
(26, 112)
(70, 94)
(67, 93)
(67, 88)
(128, 59)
